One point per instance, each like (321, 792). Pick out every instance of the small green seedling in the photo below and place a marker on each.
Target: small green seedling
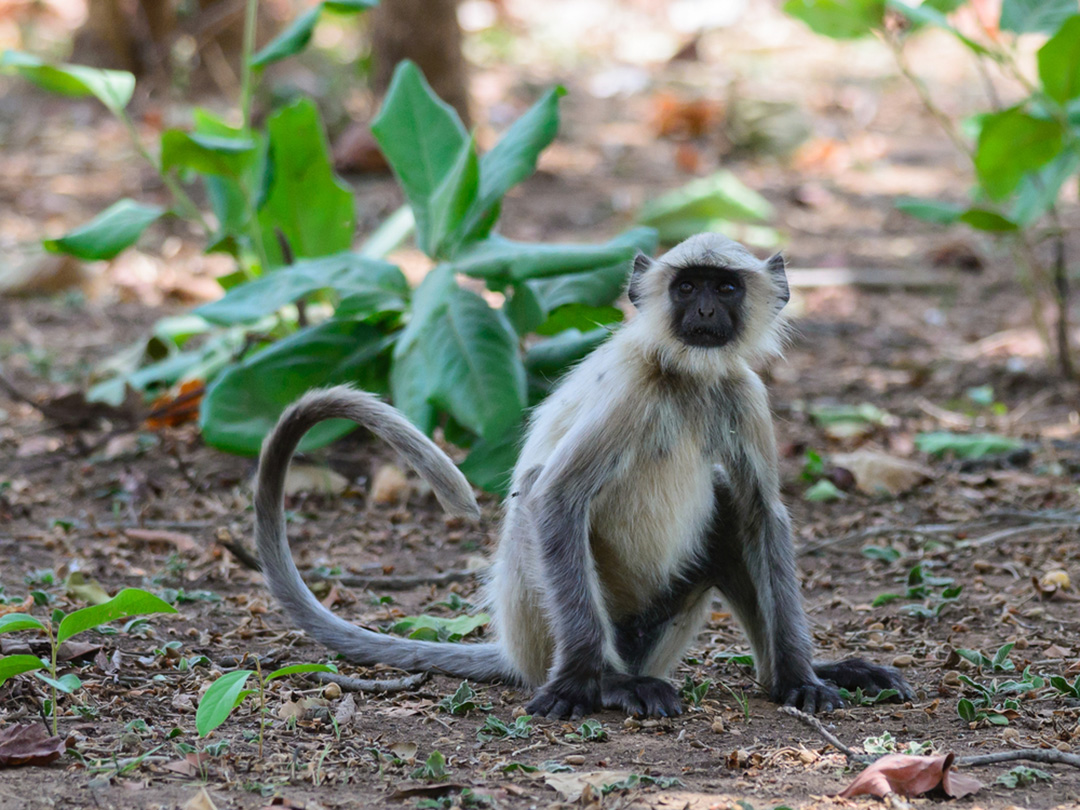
(463, 701)
(468, 798)
(494, 728)
(439, 628)
(694, 693)
(860, 698)
(924, 588)
(1021, 776)
(589, 731)
(887, 744)
(999, 663)
(228, 692)
(129, 602)
(433, 770)
(635, 780)
(1063, 687)
(741, 698)
(992, 703)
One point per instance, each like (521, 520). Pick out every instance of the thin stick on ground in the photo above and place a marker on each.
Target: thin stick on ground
(1047, 756)
(348, 684)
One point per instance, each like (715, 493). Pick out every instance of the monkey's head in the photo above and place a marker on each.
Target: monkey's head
(709, 296)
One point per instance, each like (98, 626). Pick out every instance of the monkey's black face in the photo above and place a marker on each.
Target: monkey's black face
(706, 305)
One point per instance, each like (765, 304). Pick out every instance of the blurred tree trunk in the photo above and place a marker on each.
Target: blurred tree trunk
(140, 35)
(427, 32)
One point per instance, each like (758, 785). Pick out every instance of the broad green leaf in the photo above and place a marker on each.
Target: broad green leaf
(66, 683)
(709, 204)
(983, 220)
(116, 228)
(451, 201)
(1059, 61)
(965, 445)
(14, 622)
(598, 287)
(936, 211)
(502, 261)
(344, 273)
(580, 317)
(513, 159)
(1011, 144)
(298, 34)
(839, 19)
(459, 355)
(305, 199)
(444, 629)
(550, 358)
(523, 308)
(244, 402)
(823, 490)
(113, 88)
(129, 602)
(422, 139)
(489, 465)
(13, 665)
(1039, 190)
(296, 669)
(224, 695)
(208, 154)
(1035, 16)
(944, 6)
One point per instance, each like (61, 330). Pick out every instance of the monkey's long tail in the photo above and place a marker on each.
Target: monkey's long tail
(479, 661)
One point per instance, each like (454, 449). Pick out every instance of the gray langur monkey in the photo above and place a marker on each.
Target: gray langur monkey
(647, 479)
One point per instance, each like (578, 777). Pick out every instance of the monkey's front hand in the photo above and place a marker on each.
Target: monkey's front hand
(857, 673)
(566, 696)
(811, 696)
(641, 696)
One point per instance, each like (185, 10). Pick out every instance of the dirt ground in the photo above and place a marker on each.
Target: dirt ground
(129, 507)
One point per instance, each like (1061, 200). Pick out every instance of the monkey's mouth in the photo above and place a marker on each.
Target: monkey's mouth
(705, 338)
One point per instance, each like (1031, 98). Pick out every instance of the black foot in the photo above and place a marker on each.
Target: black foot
(566, 698)
(640, 696)
(811, 697)
(857, 673)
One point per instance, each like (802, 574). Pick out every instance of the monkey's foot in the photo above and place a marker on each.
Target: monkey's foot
(811, 697)
(566, 697)
(640, 696)
(857, 673)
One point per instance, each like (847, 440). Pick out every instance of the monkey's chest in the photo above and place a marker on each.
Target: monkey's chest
(647, 525)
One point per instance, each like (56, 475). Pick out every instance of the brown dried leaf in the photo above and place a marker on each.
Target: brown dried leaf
(182, 542)
(200, 801)
(30, 744)
(173, 410)
(879, 472)
(909, 775)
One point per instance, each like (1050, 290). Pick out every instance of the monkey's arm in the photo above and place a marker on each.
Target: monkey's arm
(773, 611)
(558, 504)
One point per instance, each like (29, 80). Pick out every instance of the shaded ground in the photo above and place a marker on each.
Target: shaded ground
(69, 500)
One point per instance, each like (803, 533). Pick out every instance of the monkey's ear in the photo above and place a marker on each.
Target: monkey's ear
(641, 264)
(775, 266)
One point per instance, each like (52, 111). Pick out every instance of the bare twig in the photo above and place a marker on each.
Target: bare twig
(243, 556)
(1049, 756)
(348, 684)
(406, 581)
(828, 736)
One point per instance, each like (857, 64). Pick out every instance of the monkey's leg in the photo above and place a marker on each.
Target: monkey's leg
(650, 643)
(753, 561)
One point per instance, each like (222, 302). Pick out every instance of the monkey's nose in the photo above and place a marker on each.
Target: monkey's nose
(706, 312)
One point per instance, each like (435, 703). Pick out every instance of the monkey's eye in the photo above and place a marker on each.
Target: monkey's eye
(726, 289)
(686, 287)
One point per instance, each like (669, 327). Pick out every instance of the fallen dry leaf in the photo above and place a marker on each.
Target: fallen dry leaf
(182, 542)
(29, 744)
(173, 410)
(910, 775)
(200, 801)
(317, 480)
(390, 486)
(571, 785)
(20, 607)
(877, 472)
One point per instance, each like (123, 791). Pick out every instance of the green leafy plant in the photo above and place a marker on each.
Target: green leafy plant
(887, 744)
(496, 729)
(589, 731)
(1021, 776)
(304, 310)
(1063, 687)
(935, 594)
(1000, 662)
(860, 698)
(635, 780)
(965, 445)
(60, 627)
(229, 691)
(464, 700)
(433, 770)
(997, 703)
(1021, 153)
(439, 628)
(694, 693)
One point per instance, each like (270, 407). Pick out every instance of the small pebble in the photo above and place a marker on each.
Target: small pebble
(951, 678)
(574, 759)
(717, 726)
(331, 691)
(903, 661)
(631, 723)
